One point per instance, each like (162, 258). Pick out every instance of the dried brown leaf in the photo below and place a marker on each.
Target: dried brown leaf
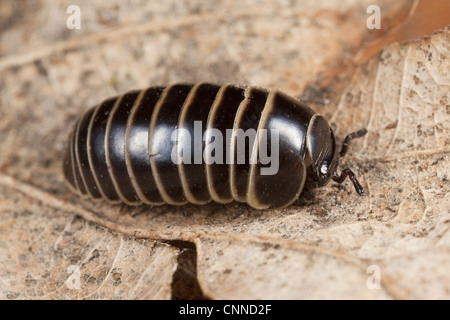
(321, 246)
(48, 254)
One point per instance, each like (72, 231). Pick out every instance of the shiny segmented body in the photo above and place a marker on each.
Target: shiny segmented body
(120, 150)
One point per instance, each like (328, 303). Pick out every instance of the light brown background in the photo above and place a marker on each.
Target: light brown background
(321, 246)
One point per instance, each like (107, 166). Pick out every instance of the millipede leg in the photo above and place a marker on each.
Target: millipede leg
(149, 210)
(349, 137)
(349, 173)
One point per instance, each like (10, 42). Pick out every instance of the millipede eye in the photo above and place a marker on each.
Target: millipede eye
(324, 168)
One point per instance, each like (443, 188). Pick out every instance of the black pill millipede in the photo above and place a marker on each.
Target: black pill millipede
(121, 150)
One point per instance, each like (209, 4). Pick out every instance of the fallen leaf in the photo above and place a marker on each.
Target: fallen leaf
(321, 246)
(48, 254)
